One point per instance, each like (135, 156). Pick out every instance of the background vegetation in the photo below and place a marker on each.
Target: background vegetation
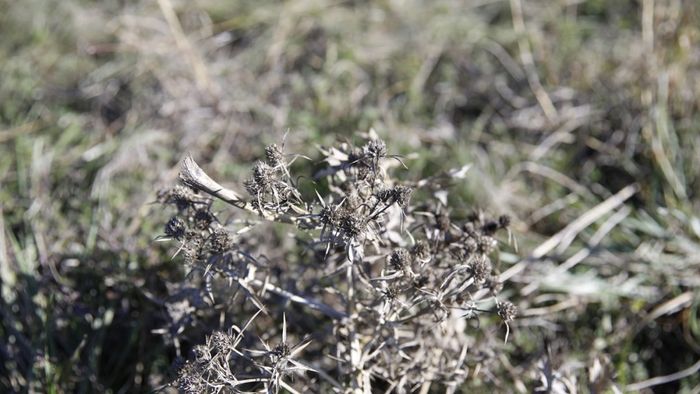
(579, 119)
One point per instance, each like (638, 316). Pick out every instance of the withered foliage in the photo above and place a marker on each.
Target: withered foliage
(384, 291)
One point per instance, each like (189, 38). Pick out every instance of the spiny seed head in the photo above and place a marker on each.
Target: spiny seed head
(330, 217)
(220, 241)
(281, 350)
(274, 155)
(175, 227)
(385, 195)
(391, 293)
(355, 156)
(485, 244)
(193, 247)
(504, 221)
(180, 196)
(221, 341)
(262, 174)
(490, 227)
(399, 258)
(203, 218)
(375, 148)
(191, 254)
(352, 225)
(506, 310)
(402, 195)
(480, 269)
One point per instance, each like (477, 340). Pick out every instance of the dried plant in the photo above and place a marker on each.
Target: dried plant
(394, 287)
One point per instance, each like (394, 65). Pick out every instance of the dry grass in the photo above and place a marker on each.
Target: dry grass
(579, 120)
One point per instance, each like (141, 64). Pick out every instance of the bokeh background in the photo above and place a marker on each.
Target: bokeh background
(580, 119)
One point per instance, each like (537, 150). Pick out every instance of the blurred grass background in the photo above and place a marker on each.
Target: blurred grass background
(558, 105)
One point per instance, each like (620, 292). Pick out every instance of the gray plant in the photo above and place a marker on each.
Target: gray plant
(393, 284)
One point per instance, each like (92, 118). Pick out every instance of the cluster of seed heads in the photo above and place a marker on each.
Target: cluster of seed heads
(382, 283)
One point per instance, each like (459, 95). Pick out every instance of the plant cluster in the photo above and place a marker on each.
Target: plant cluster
(387, 289)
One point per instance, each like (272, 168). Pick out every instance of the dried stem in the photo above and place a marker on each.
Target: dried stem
(356, 370)
(308, 302)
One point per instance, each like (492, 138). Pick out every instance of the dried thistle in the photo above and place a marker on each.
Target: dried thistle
(382, 285)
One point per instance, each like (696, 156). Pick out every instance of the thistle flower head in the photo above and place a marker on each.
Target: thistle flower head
(220, 241)
(175, 228)
(274, 156)
(506, 310)
(480, 269)
(504, 221)
(262, 174)
(401, 195)
(399, 258)
(375, 148)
